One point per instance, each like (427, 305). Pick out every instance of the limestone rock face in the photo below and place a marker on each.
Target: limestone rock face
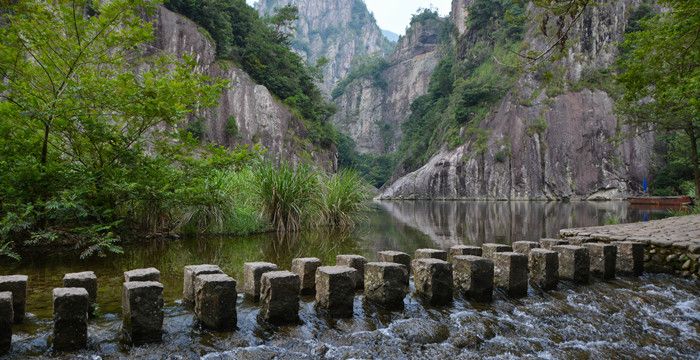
(573, 156)
(372, 112)
(258, 115)
(459, 14)
(339, 30)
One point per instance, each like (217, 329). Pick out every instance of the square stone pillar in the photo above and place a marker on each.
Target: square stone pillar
(17, 285)
(306, 269)
(488, 250)
(190, 274)
(386, 284)
(70, 318)
(544, 268)
(7, 318)
(630, 258)
(252, 273)
(396, 257)
(335, 289)
(279, 297)
(433, 280)
(356, 262)
(430, 254)
(603, 258)
(86, 280)
(524, 247)
(142, 312)
(215, 301)
(459, 250)
(550, 243)
(510, 273)
(473, 277)
(574, 263)
(149, 274)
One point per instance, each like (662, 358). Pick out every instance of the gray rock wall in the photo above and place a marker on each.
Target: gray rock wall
(259, 116)
(340, 30)
(575, 156)
(371, 114)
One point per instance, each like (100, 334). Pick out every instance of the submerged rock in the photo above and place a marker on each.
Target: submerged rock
(422, 331)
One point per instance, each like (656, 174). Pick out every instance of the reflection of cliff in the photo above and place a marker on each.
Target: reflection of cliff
(449, 223)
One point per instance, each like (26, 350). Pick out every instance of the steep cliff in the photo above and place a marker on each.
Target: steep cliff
(372, 108)
(553, 135)
(247, 112)
(338, 30)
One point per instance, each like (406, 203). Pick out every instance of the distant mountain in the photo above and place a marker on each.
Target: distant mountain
(392, 36)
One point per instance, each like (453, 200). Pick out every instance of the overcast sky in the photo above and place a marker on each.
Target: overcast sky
(394, 15)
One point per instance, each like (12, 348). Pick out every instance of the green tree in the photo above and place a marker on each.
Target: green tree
(87, 117)
(283, 22)
(660, 72)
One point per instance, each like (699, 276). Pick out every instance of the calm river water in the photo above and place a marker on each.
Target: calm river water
(657, 316)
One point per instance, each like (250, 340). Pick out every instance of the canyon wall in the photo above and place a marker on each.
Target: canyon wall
(546, 143)
(247, 113)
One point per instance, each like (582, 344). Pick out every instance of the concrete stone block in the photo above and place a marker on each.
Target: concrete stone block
(510, 273)
(488, 250)
(433, 280)
(86, 280)
(395, 257)
(306, 269)
(473, 277)
(356, 262)
(252, 273)
(142, 312)
(548, 244)
(574, 263)
(544, 268)
(386, 284)
(190, 273)
(430, 254)
(279, 297)
(7, 318)
(630, 258)
(459, 250)
(149, 274)
(335, 290)
(603, 259)
(215, 301)
(70, 317)
(17, 285)
(524, 247)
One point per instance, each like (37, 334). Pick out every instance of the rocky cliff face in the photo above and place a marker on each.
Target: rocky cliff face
(247, 112)
(339, 30)
(546, 144)
(372, 112)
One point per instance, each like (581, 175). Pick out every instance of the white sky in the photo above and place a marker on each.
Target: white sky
(394, 15)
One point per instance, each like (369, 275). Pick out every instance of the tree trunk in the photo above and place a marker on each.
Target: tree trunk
(45, 144)
(694, 158)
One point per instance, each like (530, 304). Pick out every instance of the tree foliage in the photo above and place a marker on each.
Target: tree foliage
(660, 72)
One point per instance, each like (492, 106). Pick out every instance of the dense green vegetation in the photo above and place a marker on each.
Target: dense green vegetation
(660, 74)
(94, 152)
(464, 87)
(370, 67)
(261, 46)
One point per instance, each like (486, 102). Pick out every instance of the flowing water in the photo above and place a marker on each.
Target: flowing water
(656, 316)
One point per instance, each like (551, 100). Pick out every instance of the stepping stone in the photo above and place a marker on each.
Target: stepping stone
(252, 274)
(473, 277)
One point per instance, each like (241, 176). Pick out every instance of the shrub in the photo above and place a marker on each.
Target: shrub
(344, 197)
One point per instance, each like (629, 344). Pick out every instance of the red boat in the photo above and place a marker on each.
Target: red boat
(662, 201)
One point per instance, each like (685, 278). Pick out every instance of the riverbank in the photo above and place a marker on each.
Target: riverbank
(673, 244)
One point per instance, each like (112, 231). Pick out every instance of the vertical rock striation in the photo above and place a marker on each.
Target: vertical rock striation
(258, 116)
(550, 137)
(339, 30)
(371, 112)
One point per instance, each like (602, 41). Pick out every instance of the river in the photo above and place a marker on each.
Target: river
(656, 316)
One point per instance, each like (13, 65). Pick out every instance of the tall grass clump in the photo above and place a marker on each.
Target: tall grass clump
(287, 194)
(345, 196)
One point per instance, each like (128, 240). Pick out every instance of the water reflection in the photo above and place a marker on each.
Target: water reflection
(449, 223)
(403, 226)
